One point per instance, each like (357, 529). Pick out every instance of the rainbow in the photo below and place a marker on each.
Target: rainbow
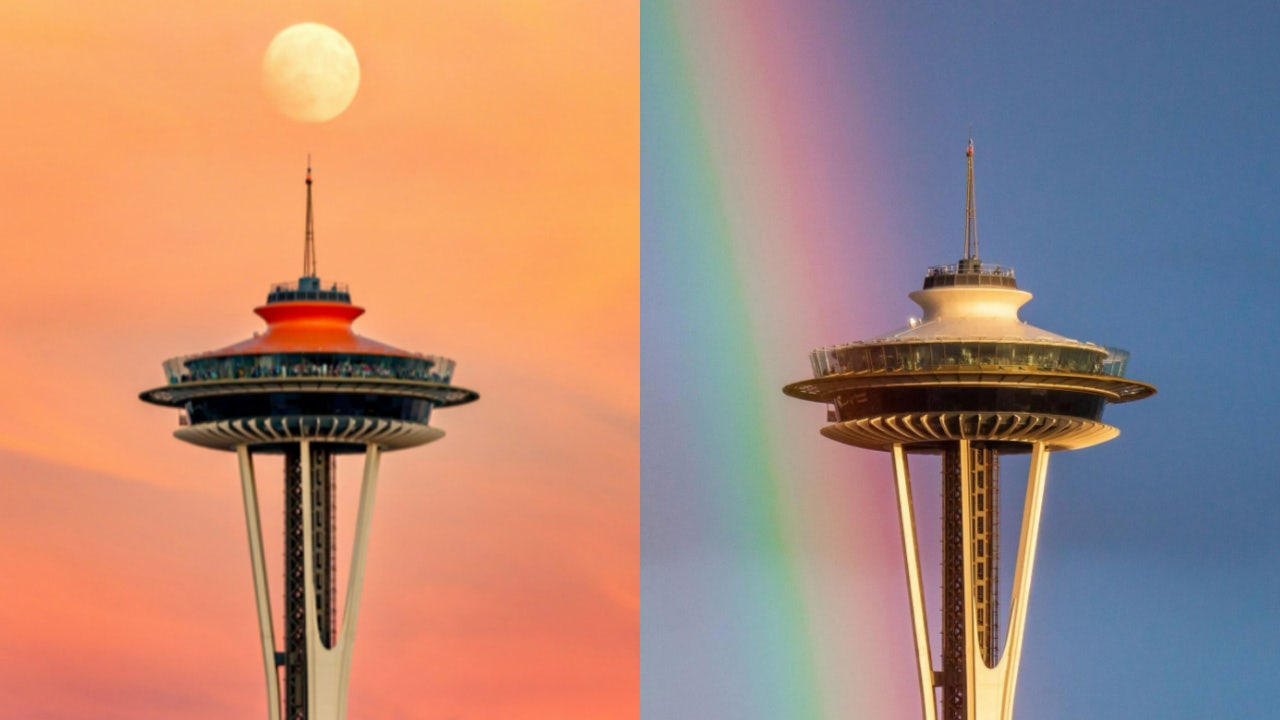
(771, 577)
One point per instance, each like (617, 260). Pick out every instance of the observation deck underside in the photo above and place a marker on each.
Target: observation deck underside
(275, 434)
(1008, 432)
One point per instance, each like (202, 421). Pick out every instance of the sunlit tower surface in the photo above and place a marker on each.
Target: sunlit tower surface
(309, 389)
(969, 381)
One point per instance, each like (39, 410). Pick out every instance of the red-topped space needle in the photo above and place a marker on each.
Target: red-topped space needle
(309, 388)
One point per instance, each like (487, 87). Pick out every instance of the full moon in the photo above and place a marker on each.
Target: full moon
(310, 72)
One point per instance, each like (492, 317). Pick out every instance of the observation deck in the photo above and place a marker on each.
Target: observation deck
(969, 271)
(309, 288)
(970, 369)
(309, 376)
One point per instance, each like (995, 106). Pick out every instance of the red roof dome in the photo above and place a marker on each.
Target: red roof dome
(304, 327)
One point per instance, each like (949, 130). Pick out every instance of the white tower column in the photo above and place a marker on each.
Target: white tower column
(915, 588)
(328, 668)
(266, 632)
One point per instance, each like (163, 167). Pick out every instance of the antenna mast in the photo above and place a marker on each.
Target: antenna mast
(309, 254)
(970, 213)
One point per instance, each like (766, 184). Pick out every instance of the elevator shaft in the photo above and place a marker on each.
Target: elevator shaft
(320, 486)
(983, 500)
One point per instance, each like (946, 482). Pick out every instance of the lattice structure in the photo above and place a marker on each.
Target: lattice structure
(295, 609)
(984, 511)
(320, 485)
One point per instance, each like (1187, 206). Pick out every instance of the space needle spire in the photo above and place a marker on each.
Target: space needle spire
(970, 213)
(309, 253)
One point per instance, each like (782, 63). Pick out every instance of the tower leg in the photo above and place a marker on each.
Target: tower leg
(915, 588)
(266, 632)
(328, 655)
(989, 689)
(355, 583)
(1036, 478)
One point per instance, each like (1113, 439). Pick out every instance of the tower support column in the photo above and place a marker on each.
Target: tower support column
(262, 595)
(316, 680)
(975, 686)
(915, 587)
(328, 654)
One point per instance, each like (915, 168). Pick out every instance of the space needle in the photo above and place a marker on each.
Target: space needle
(969, 381)
(310, 389)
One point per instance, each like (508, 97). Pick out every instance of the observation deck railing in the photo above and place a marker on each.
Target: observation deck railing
(309, 288)
(928, 356)
(969, 273)
(289, 365)
(1116, 363)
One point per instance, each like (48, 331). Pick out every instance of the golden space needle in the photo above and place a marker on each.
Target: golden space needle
(969, 381)
(310, 389)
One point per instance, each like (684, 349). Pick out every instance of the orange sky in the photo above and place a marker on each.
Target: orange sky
(481, 198)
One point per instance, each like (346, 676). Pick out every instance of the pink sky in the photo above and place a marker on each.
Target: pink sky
(481, 198)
